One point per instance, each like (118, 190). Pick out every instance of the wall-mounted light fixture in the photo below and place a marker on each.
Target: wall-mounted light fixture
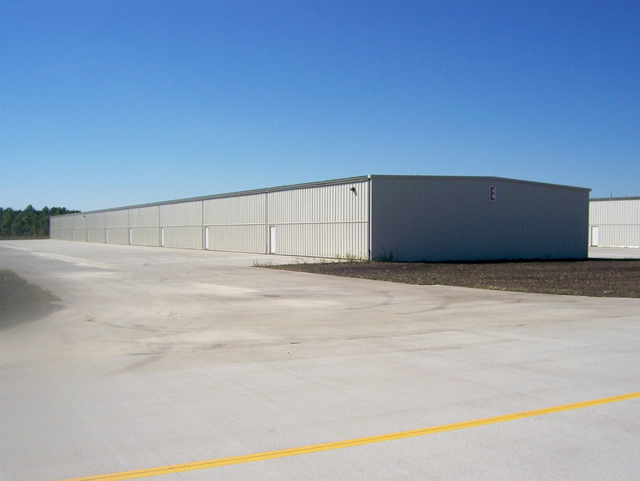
(353, 189)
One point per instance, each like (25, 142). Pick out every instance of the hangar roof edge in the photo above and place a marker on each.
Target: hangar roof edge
(345, 180)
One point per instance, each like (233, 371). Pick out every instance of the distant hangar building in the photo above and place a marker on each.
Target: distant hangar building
(404, 218)
(614, 222)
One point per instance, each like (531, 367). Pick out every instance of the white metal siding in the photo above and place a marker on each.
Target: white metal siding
(145, 236)
(325, 221)
(79, 234)
(144, 216)
(55, 227)
(189, 237)
(117, 218)
(244, 209)
(237, 238)
(182, 224)
(236, 223)
(181, 214)
(96, 220)
(118, 235)
(96, 235)
(618, 220)
(340, 239)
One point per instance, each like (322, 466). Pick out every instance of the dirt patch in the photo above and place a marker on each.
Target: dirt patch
(593, 277)
(21, 301)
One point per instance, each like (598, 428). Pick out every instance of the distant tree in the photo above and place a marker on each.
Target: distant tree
(28, 222)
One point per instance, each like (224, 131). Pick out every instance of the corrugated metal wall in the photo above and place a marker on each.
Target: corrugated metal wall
(96, 227)
(409, 218)
(181, 225)
(617, 221)
(144, 223)
(327, 221)
(117, 226)
(55, 227)
(236, 223)
(453, 218)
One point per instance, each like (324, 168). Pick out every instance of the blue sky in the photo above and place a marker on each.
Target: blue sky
(106, 103)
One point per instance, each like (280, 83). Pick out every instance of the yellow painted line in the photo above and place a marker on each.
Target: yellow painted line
(281, 453)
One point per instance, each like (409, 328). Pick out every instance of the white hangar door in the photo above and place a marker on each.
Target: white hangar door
(595, 236)
(320, 221)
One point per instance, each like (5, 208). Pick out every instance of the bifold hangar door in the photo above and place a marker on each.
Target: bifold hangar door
(323, 219)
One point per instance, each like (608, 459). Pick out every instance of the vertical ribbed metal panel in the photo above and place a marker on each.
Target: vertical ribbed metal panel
(96, 226)
(322, 221)
(96, 220)
(239, 210)
(66, 234)
(144, 216)
(181, 214)
(145, 236)
(117, 218)
(236, 223)
(184, 237)
(453, 218)
(182, 223)
(618, 221)
(237, 238)
(96, 235)
(79, 234)
(77, 225)
(117, 226)
(55, 226)
(118, 235)
(144, 223)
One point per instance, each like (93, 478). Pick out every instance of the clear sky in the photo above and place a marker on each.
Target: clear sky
(111, 103)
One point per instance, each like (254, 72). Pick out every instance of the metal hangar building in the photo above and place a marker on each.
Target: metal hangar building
(386, 217)
(614, 222)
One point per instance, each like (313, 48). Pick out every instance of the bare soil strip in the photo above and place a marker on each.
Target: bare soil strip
(593, 277)
(21, 301)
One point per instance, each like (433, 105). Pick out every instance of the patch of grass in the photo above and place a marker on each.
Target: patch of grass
(256, 263)
(21, 301)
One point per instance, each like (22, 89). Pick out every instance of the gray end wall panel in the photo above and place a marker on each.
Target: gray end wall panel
(66, 234)
(430, 218)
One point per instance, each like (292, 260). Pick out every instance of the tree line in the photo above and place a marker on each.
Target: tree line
(28, 222)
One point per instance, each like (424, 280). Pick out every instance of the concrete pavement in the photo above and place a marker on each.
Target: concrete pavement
(164, 356)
